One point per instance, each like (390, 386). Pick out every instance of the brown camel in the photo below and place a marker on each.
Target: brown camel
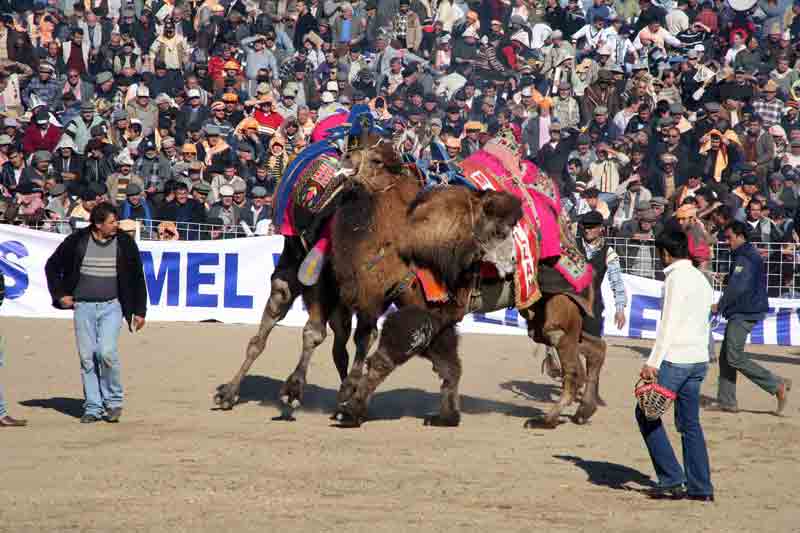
(379, 237)
(321, 300)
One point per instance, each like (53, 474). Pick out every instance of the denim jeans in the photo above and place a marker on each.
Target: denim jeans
(733, 359)
(685, 380)
(97, 327)
(3, 411)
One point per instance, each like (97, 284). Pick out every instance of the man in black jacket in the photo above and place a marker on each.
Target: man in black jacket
(97, 271)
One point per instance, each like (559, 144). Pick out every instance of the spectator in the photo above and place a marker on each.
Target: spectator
(41, 134)
(761, 228)
(98, 273)
(743, 304)
(225, 209)
(631, 194)
(679, 363)
(185, 211)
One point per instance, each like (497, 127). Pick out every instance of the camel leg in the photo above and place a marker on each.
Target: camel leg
(406, 333)
(281, 297)
(314, 333)
(594, 350)
(341, 323)
(365, 335)
(561, 329)
(446, 362)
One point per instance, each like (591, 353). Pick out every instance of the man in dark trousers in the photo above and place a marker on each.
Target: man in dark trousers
(744, 303)
(97, 271)
(6, 420)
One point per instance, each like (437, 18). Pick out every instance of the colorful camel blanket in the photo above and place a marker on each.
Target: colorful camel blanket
(538, 235)
(303, 168)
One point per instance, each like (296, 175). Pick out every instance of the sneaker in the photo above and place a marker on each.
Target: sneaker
(9, 422)
(113, 415)
(90, 419)
(670, 493)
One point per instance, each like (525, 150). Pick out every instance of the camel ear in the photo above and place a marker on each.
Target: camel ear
(501, 206)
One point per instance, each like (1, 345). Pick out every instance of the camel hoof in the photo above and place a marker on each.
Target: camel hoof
(348, 388)
(580, 420)
(292, 392)
(226, 397)
(584, 413)
(347, 420)
(444, 421)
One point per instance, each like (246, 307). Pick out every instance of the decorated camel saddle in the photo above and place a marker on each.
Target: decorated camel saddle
(547, 259)
(309, 191)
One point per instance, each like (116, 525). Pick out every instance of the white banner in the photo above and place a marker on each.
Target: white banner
(781, 325)
(228, 281)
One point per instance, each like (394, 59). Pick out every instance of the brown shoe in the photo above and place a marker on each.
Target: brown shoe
(783, 395)
(8, 422)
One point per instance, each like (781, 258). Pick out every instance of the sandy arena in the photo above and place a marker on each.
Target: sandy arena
(175, 464)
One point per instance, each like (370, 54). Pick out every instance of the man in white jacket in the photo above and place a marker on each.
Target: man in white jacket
(679, 362)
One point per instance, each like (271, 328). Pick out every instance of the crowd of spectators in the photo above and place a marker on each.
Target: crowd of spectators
(189, 111)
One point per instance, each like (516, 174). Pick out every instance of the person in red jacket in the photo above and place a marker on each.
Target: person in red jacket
(40, 134)
(266, 115)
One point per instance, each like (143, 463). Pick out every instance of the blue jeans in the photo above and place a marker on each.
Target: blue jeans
(97, 327)
(3, 411)
(685, 380)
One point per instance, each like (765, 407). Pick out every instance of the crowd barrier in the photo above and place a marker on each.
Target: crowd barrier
(228, 280)
(637, 257)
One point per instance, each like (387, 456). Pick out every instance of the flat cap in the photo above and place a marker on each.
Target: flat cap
(592, 219)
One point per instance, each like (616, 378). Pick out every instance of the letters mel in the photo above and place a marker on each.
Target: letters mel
(203, 286)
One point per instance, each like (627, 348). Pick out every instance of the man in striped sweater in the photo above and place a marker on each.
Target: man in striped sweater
(98, 273)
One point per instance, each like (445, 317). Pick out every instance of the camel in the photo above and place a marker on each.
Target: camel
(378, 238)
(321, 300)
(370, 274)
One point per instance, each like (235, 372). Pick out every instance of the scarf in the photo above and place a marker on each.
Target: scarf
(721, 162)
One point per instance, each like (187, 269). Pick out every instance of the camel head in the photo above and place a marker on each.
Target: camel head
(371, 155)
(494, 225)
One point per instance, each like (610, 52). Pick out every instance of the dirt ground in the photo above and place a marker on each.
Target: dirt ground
(175, 464)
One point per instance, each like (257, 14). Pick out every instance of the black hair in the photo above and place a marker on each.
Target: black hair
(101, 212)
(739, 228)
(673, 241)
(706, 193)
(755, 201)
(724, 211)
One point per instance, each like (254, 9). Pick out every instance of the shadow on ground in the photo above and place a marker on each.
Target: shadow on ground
(611, 475)
(388, 405)
(537, 392)
(66, 406)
